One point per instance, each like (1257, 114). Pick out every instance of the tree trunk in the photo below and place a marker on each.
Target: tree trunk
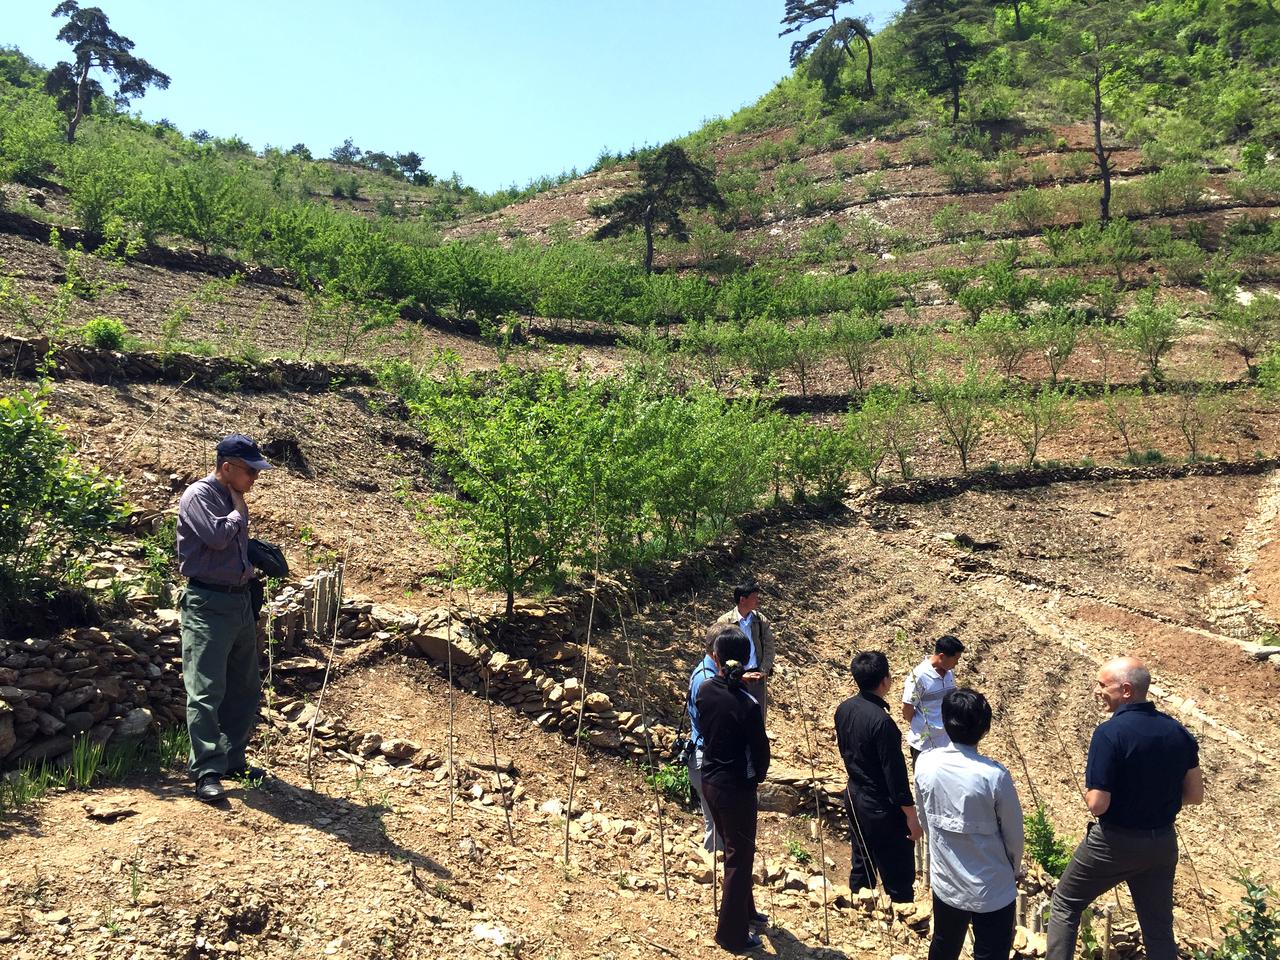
(79, 114)
(866, 40)
(511, 566)
(648, 239)
(1017, 18)
(954, 72)
(1104, 161)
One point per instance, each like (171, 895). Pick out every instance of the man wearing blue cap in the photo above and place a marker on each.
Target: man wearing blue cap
(219, 631)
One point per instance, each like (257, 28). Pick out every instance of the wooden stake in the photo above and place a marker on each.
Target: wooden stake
(328, 667)
(582, 703)
(648, 746)
(817, 807)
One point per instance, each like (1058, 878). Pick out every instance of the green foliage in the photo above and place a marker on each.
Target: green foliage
(673, 780)
(51, 509)
(1123, 412)
(856, 338)
(1253, 932)
(1003, 338)
(105, 333)
(798, 853)
(1248, 329)
(819, 460)
(550, 473)
(1033, 417)
(1150, 331)
(1043, 845)
(965, 410)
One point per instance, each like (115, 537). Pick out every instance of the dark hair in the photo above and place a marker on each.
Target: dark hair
(731, 644)
(745, 589)
(948, 645)
(869, 669)
(966, 715)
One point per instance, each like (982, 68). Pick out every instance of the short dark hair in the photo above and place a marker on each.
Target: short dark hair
(966, 715)
(948, 645)
(745, 589)
(732, 644)
(869, 669)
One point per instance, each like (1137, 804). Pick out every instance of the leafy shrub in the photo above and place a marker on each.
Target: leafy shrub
(673, 780)
(964, 170)
(1177, 187)
(1253, 932)
(1043, 845)
(51, 509)
(105, 333)
(964, 408)
(1028, 209)
(1150, 330)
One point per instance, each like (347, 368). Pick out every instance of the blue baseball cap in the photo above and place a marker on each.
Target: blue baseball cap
(239, 447)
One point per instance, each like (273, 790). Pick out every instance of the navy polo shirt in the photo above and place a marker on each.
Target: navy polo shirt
(1140, 756)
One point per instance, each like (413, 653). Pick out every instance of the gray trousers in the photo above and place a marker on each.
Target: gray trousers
(710, 839)
(220, 672)
(1108, 856)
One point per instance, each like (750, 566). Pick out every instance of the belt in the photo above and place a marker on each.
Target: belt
(218, 587)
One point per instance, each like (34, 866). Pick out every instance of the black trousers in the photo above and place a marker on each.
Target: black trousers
(734, 813)
(881, 843)
(992, 932)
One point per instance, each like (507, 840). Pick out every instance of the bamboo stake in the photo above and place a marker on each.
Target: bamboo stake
(648, 747)
(817, 806)
(493, 742)
(582, 703)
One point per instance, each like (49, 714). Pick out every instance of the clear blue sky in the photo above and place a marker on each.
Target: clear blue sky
(499, 92)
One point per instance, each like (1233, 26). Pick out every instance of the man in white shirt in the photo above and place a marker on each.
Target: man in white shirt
(746, 614)
(922, 695)
(970, 812)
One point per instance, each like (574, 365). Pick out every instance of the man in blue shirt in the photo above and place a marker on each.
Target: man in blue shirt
(1142, 767)
(701, 673)
(219, 631)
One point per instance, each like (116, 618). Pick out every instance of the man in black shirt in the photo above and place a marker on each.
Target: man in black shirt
(735, 758)
(1142, 767)
(882, 814)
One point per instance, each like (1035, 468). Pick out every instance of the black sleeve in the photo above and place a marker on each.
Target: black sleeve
(889, 747)
(759, 741)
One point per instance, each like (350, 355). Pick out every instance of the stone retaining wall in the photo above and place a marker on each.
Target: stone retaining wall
(22, 357)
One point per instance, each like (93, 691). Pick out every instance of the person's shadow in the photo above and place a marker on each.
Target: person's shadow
(786, 944)
(359, 825)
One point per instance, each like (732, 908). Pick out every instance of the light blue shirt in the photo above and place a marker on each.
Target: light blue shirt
(746, 623)
(969, 808)
(701, 673)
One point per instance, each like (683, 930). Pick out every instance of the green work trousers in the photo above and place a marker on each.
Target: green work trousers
(220, 672)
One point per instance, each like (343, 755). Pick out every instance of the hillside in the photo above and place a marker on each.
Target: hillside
(905, 374)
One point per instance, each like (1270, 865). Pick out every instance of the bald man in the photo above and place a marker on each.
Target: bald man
(1143, 766)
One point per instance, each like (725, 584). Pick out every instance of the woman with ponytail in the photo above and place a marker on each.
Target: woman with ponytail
(735, 758)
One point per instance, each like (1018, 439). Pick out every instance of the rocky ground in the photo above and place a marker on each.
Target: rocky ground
(371, 854)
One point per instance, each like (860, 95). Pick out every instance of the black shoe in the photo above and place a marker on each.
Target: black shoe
(209, 789)
(247, 772)
(753, 943)
(759, 919)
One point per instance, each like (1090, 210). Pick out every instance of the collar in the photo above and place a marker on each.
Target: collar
(964, 748)
(1142, 706)
(708, 664)
(873, 698)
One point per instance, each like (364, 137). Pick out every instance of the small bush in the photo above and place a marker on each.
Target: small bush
(1253, 932)
(51, 509)
(673, 780)
(1043, 845)
(105, 333)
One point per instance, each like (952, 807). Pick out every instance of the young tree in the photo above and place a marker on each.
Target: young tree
(1093, 43)
(1055, 333)
(1002, 337)
(821, 44)
(1034, 417)
(1150, 331)
(857, 339)
(95, 44)
(1198, 412)
(1249, 329)
(965, 410)
(942, 40)
(1124, 413)
(669, 182)
(347, 153)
